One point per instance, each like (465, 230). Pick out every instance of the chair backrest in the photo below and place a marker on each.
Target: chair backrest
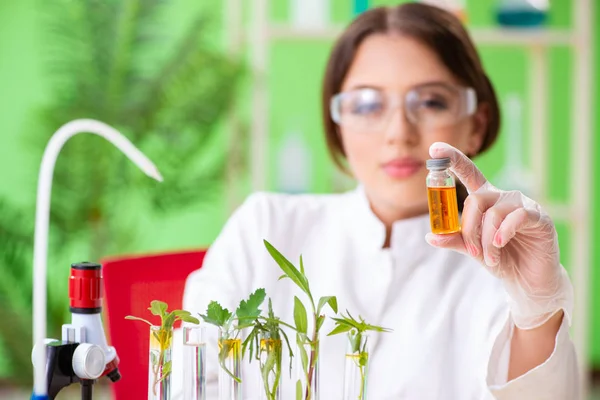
(130, 284)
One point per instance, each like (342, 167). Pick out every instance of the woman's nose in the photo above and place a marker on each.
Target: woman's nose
(399, 128)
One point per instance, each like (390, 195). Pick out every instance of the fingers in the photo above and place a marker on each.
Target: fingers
(474, 210)
(461, 165)
(483, 223)
(492, 220)
(452, 241)
(514, 222)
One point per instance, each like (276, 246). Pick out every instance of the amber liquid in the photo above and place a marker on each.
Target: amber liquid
(443, 210)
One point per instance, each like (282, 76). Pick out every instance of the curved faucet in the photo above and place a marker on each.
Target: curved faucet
(42, 216)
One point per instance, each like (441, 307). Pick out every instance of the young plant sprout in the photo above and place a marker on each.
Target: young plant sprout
(225, 320)
(265, 342)
(161, 364)
(309, 362)
(358, 352)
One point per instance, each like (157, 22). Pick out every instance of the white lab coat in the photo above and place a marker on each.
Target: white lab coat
(450, 320)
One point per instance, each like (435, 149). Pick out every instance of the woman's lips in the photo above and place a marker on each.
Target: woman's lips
(402, 168)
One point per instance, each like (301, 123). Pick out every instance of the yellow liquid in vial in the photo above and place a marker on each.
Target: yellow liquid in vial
(443, 210)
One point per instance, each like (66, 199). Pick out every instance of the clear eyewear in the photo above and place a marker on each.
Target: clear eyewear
(428, 106)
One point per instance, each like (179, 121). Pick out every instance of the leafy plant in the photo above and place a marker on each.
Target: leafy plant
(16, 242)
(303, 339)
(116, 61)
(119, 62)
(161, 367)
(224, 319)
(356, 330)
(265, 341)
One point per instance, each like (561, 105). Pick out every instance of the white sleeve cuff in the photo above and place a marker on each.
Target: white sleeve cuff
(556, 378)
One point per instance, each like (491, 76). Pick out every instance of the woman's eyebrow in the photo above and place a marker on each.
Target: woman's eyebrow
(359, 86)
(427, 83)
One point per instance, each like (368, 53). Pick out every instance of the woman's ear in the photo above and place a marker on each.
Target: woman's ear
(480, 123)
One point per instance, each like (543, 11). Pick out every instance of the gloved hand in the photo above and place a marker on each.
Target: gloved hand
(514, 238)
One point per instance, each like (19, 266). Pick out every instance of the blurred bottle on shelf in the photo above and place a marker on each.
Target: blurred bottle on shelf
(309, 13)
(522, 13)
(514, 173)
(360, 6)
(293, 164)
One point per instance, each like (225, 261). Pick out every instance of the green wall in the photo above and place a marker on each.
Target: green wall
(295, 86)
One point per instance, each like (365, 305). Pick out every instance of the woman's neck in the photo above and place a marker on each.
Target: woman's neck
(388, 214)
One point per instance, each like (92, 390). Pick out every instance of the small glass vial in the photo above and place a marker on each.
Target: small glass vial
(441, 195)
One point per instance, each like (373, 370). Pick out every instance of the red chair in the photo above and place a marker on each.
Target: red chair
(130, 284)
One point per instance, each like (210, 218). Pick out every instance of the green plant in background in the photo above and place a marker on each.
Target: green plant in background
(16, 244)
(356, 330)
(113, 60)
(161, 362)
(309, 362)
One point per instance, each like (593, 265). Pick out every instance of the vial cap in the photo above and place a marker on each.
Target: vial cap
(438, 163)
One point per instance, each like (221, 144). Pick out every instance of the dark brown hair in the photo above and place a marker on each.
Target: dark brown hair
(436, 28)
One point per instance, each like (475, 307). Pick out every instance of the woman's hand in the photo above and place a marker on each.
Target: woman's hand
(514, 238)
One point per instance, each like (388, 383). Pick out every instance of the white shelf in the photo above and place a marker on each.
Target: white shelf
(559, 212)
(289, 32)
(494, 36)
(520, 37)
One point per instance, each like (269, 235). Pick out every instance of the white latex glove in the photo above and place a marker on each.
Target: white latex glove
(514, 238)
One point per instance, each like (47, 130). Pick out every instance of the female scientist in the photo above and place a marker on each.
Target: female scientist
(479, 314)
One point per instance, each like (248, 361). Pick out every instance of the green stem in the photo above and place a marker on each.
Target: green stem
(312, 360)
(156, 369)
(280, 322)
(222, 364)
(362, 383)
(226, 348)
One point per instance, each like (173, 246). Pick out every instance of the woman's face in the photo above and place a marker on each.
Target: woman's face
(388, 158)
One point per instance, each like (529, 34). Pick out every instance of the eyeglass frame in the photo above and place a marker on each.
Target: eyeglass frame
(467, 91)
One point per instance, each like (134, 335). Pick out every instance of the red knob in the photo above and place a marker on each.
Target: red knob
(85, 288)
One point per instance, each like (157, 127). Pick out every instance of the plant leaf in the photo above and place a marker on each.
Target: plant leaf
(179, 313)
(158, 308)
(288, 268)
(166, 369)
(354, 339)
(249, 341)
(300, 317)
(189, 319)
(287, 341)
(131, 317)
(331, 300)
(320, 321)
(216, 314)
(303, 353)
(363, 359)
(168, 321)
(348, 322)
(302, 266)
(249, 310)
(299, 390)
(340, 329)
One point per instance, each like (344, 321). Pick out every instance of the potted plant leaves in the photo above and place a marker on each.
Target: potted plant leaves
(357, 354)
(161, 345)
